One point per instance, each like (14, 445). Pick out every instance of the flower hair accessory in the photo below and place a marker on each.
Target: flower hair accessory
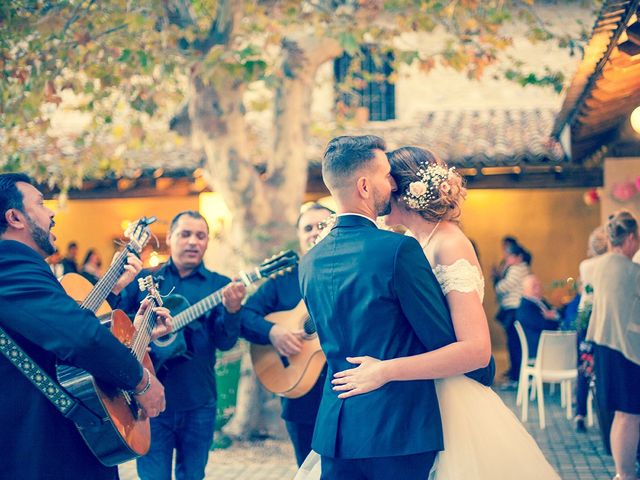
(432, 179)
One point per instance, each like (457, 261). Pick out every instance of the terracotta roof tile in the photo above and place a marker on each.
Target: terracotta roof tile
(477, 138)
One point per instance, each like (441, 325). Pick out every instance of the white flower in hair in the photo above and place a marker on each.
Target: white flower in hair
(432, 180)
(417, 188)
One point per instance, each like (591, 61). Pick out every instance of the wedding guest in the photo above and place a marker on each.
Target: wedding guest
(497, 271)
(597, 245)
(509, 293)
(534, 313)
(615, 330)
(55, 263)
(70, 261)
(91, 266)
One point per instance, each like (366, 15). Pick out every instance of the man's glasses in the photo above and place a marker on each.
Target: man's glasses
(307, 228)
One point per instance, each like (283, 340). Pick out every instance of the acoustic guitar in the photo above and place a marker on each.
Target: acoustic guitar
(123, 433)
(121, 439)
(174, 344)
(294, 376)
(93, 297)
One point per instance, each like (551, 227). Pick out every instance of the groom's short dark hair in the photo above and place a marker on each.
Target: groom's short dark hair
(345, 155)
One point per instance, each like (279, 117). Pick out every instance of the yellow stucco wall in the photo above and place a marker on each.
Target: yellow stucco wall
(96, 223)
(553, 224)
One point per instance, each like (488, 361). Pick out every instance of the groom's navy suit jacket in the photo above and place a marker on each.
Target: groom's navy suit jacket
(372, 292)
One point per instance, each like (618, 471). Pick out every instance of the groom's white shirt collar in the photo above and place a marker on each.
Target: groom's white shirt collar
(358, 215)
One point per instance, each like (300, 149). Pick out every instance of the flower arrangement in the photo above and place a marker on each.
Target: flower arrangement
(432, 182)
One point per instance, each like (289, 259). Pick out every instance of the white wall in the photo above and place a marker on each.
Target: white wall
(443, 88)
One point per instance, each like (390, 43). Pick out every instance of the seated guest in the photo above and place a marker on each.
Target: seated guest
(91, 266)
(534, 313)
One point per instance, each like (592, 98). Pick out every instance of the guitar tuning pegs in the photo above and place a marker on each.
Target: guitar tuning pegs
(145, 283)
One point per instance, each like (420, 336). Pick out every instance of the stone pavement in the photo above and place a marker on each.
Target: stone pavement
(575, 456)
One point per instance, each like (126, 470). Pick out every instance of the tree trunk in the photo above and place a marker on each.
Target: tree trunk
(264, 206)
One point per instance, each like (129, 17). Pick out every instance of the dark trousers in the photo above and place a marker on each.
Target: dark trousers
(405, 467)
(190, 434)
(507, 318)
(582, 393)
(300, 435)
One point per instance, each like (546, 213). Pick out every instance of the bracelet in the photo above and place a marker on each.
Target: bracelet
(147, 386)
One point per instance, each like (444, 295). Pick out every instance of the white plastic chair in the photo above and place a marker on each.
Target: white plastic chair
(555, 363)
(526, 365)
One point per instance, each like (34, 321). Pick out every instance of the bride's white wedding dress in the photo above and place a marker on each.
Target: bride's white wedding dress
(483, 439)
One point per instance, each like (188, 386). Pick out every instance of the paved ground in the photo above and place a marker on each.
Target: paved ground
(575, 456)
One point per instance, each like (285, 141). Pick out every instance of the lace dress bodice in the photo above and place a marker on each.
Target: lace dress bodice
(460, 276)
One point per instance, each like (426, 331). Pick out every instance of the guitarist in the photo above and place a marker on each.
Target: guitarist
(283, 293)
(36, 441)
(188, 423)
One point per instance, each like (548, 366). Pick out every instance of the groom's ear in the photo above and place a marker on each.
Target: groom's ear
(363, 187)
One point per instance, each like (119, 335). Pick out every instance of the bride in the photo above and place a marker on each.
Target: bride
(483, 439)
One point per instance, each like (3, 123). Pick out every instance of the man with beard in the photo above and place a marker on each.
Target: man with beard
(188, 424)
(36, 441)
(279, 294)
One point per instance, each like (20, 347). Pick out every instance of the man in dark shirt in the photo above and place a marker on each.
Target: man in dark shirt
(535, 314)
(283, 293)
(188, 423)
(36, 441)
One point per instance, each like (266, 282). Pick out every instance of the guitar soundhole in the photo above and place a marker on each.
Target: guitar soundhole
(309, 328)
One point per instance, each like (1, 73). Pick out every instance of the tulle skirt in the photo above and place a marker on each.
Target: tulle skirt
(483, 439)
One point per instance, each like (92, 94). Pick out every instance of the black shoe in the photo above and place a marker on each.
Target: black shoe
(580, 426)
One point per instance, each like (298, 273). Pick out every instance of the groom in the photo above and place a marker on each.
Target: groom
(372, 292)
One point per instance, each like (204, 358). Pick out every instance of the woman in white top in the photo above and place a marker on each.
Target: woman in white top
(596, 246)
(483, 439)
(615, 329)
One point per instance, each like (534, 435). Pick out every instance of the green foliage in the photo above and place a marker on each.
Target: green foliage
(122, 66)
(549, 78)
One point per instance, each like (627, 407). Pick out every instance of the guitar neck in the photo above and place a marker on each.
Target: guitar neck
(209, 302)
(101, 290)
(142, 337)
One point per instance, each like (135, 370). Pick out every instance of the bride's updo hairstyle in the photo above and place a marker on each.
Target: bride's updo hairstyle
(426, 185)
(619, 226)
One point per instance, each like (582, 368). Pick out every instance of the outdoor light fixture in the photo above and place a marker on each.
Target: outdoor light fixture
(634, 118)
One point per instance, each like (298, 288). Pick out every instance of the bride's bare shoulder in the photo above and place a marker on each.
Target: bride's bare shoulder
(454, 245)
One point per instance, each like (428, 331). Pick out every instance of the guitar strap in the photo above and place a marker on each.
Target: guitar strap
(67, 405)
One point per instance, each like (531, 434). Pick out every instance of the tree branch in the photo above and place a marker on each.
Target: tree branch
(75, 16)
(178, 12)
(221, 29)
